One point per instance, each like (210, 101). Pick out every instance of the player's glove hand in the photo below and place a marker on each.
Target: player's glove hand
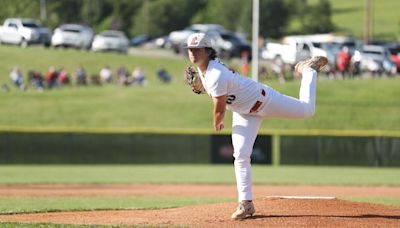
(192, 78)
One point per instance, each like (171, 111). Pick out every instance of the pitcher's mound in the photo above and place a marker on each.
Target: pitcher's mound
(282, 212)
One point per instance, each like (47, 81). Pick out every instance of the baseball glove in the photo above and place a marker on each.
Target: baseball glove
(192, 78)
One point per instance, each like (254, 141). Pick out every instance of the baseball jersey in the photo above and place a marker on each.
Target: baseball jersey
(241, 92)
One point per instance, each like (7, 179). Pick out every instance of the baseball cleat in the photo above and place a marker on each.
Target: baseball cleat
(244, 210)
(317, 63)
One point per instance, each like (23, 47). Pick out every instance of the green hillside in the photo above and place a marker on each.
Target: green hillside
(349, 16)
(348, 104)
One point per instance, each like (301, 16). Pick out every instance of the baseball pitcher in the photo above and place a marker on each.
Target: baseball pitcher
(250, 102)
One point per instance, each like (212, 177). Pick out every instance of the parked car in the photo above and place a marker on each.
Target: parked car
(376, 59)
(140, 40)
(291, 50)
(162, 42)
(24, 32)
(329, 45)
(72, 35)
(111, 40)
(230, 45)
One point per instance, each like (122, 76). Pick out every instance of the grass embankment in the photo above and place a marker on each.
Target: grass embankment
(341, 105)
(349, 18)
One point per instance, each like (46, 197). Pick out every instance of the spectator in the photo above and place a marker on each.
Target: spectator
(163, 75)
(245, 68)
(95, 80)
(80, 75)
(51, 77)
(263, 72)
(5, 88)
(106, 75)
(63, 77)
(278, 68)
(343, 61)
(17, 78)
(355, 63)
(123, 76)
(138, 77)
(35, 78)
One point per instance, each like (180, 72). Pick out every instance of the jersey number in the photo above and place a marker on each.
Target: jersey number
(230, 99)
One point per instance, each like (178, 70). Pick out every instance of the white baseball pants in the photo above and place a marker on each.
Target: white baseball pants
(276, 105)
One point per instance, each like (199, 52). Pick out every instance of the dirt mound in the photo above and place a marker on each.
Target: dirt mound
(270, 212)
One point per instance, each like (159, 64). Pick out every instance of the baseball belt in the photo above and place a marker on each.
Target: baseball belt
(258, 104)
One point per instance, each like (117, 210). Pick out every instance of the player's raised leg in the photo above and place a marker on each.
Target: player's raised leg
(283, 106)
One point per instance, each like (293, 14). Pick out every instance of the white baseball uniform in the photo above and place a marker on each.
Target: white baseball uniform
(251, 102)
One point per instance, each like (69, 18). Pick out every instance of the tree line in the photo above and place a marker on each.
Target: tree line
(159, 17)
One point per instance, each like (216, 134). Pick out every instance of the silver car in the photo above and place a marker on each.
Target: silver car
(376, 59)
(73, 35)
(111, 40)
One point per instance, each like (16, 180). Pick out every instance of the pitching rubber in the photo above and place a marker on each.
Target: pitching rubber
(302, 197)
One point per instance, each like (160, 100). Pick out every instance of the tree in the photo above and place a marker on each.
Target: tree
(19, 8)
(274, 17)
(88, 12)
(318, 19)
(159, 17)
(122, 12)
(237, 15)
(232, 14)
(92, 12)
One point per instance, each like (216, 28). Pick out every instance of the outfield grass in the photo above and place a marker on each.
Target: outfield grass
(196, 174)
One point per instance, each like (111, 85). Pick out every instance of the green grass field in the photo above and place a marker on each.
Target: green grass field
(341, 105)
(205, 174)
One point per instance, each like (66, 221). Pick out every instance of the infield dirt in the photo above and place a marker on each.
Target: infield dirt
(271, 212)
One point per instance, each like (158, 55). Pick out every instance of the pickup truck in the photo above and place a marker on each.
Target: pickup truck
(24, 32)
(291, 50)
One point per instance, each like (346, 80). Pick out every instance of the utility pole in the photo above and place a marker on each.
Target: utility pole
(368, 21)
(146, 28)
(255, 35)
(43, 10)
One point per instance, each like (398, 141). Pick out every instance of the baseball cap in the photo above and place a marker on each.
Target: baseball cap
(198, 40)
